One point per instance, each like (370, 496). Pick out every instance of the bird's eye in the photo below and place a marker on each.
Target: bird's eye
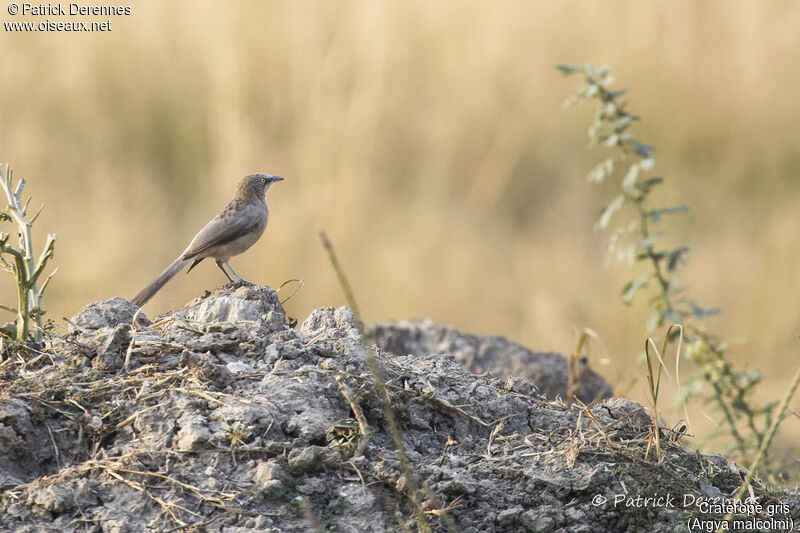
(263, 180)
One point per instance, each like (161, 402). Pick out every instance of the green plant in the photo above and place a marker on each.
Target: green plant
(637, 239)
(21, 264)
(574, 368)
(654, 382)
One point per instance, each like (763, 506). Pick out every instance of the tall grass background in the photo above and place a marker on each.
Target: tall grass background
(429, 141)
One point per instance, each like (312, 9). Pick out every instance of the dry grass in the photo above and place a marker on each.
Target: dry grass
(427, 138)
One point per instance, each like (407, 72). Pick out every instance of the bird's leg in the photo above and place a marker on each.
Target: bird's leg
(241, 279)
(219, 264)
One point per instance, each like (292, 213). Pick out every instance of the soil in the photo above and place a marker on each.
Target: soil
(220, 417)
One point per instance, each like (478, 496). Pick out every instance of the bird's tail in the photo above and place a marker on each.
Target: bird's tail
(154, 286)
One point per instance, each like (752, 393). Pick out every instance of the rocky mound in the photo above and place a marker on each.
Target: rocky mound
(492, 354)
(220, 417)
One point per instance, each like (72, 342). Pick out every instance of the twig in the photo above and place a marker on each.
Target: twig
(359, 414)
(431, 395)
(300, 283)
(55, 448)
(199, 526)
(38, 212)
(363, 485)
(47, 282)
(191, 488)
(135, 415)
(25, 271)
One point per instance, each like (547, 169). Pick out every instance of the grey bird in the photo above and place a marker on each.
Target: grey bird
(236, 228)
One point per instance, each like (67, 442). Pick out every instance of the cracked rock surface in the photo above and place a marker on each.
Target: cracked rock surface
(219, 417)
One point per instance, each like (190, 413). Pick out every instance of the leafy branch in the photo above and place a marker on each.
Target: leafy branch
(637, 240)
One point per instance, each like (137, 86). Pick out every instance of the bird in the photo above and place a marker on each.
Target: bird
(235, 229)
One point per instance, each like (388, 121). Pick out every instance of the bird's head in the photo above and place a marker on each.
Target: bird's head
(256, 184)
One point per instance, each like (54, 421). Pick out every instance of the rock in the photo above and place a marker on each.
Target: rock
(194, 433)
(109, 313)
(540, 524)
(110, 345)
(22, 440)
(269, 471)
(509, 516)
(629, 413)
(226, 419)
(237, 367)
(255, 304)
(337, 322)
(58, 499)
(502, 358)
(305, 458)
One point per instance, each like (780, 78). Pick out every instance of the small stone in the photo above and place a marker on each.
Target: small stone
(193, 434)
(110, 345)
(268, 471)
(633, 413)
(539, 524)
(509, 516)
(238, 368)
(305, 458)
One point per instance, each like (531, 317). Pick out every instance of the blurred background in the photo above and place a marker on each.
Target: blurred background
(429, 140)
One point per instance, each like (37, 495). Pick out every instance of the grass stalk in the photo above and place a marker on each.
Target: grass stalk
(412, 489)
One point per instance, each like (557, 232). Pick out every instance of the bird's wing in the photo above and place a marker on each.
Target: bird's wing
(220, 230)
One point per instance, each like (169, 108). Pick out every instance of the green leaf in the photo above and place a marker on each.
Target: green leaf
(567, 70)
(648, 164)
(626, 254)
(675, 257)
(609, 210)
(611, 140)
(599, 173)
(622, 122)
(646, 185)
(630, 177)
(696, 311)
(632, 287)
(651, 239)
(619, 246)
(641, 149)
(655, 214)
(655, 321)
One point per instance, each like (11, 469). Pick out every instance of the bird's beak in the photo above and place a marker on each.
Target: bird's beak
(276, 178)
